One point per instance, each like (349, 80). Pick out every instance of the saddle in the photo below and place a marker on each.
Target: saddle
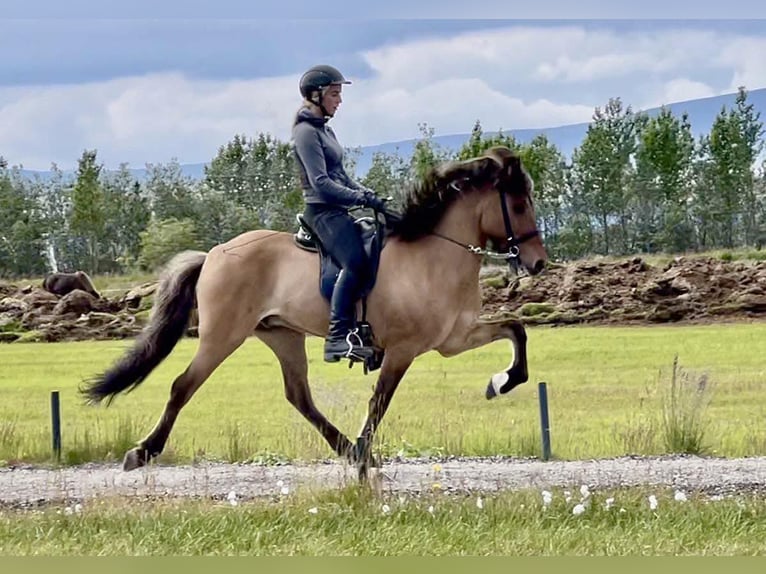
(372, 232)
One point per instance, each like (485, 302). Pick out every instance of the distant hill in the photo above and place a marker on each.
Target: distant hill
(702, 113)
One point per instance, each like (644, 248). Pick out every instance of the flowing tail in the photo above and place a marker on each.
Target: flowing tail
(173, 303)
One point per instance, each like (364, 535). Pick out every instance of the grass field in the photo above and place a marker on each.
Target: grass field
(607, 389)
(357, 522)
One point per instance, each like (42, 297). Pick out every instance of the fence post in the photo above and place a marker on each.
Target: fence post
(544, 421)
(56, 425)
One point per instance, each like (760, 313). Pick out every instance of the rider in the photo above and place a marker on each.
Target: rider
(329, 192)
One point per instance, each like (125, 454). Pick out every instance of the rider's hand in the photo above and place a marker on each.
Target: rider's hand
(373, 201)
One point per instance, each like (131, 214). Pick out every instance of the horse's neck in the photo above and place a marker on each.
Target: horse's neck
(461, 222)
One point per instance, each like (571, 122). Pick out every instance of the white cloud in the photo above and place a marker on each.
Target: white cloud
(518, 77)
(679, 90)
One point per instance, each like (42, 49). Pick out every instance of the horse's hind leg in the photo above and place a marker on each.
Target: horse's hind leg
(210, 354)
(290, 348)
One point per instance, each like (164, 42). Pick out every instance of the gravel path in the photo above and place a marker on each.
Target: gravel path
(26, 486)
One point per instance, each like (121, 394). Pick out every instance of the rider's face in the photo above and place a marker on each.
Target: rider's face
(332, 99)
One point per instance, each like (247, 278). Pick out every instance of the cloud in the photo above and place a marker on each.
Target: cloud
(679, 90)
(509, 78)
(152, 118)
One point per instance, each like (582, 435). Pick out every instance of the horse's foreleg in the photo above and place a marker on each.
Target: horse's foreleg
(391, 372)
(481, 333)
(290, 348)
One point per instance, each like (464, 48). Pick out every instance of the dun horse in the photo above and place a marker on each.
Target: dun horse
(426, 296)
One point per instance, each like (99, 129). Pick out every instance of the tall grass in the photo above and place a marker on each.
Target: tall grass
(685, 401)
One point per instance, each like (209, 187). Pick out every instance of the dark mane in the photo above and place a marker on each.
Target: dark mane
(426, 200)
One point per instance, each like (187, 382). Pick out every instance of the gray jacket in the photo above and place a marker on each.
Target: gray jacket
(320, 162)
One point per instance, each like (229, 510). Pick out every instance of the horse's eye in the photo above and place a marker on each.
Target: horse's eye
(519, 207)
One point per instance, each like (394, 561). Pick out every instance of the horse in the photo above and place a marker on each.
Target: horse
(62, 283)
(426, 297)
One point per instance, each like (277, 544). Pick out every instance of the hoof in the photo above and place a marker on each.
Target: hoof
(134, 459)
(502, 383)
(496, 385)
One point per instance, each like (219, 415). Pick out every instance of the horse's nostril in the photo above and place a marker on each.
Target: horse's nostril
(539, 266)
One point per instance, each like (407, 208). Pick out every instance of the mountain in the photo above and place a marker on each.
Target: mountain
(702, 113)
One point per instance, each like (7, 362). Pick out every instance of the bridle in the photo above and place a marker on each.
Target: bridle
(513, 242)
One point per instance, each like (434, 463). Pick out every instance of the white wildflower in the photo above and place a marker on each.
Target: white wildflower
(653, 504)
(609, 503)
(578, 509)
(547, 497)
(78, 508)
(232, 498)
(386, 509)
(431, 509)
(479, 503)
(567, 496)
(622, 510)
(68, 511)
(280, 482)
(680, 496)
(584, 491)
(313, 510)
(285, 491)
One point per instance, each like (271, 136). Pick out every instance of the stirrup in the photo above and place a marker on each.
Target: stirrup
(356, 348)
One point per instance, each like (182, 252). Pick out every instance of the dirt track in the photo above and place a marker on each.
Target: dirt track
(33, 486)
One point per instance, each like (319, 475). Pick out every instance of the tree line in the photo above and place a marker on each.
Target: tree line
(635, 184)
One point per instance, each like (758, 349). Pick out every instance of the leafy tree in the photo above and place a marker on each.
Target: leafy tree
(88, 217)
(171, 194)
(127, 213)
(662, 186)
(164, 238)
(602, 169)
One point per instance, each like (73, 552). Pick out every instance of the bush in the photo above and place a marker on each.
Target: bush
(164, 238)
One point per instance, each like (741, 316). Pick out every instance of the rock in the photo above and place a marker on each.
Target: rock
(13, 306)
(76, 301)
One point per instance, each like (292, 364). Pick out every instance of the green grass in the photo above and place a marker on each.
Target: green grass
(607, 389)
(355, 522)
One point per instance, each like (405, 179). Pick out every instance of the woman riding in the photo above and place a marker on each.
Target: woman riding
(329, 192)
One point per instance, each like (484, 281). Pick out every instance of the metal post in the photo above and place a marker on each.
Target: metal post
(56, 425)
(544, 422)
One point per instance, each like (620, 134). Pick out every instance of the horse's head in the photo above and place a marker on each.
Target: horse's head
(507, 211)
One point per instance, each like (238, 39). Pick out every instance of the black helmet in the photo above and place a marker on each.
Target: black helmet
(320, 77)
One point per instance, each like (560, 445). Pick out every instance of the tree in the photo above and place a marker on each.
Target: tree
(21, 241)
(127, 214)
(602, 170)
(164, 238)
(259, 175)
(171, 194)
(426, 154)
(388, 176)
(88, 219)
(662, 186)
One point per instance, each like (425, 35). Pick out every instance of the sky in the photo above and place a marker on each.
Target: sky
(152, 86)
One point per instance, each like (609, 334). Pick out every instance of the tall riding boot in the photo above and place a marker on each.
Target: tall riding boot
(342, 341)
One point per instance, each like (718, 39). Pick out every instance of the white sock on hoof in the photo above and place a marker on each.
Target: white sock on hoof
(498, 380)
